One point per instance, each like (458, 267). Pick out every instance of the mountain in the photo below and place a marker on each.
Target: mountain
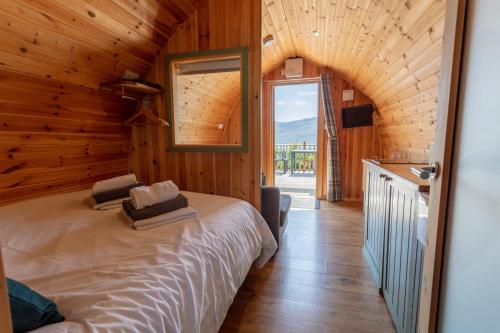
(296, 131)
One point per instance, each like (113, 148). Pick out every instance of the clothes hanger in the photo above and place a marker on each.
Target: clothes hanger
(145, 111)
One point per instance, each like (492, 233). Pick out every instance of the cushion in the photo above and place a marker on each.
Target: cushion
(29, 309)
(285, 203)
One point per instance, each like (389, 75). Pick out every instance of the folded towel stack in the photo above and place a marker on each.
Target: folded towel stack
(155, 205)
(109, 193)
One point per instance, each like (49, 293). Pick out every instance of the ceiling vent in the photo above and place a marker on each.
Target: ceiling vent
(294, 68)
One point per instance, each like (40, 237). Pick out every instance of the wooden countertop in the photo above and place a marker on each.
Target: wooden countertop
(401, 171)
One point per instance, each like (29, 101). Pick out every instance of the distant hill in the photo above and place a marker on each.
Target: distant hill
(296, 131)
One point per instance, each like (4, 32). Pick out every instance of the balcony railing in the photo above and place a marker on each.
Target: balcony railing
(295, 158)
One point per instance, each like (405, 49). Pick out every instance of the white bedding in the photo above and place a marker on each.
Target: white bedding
(107, 277)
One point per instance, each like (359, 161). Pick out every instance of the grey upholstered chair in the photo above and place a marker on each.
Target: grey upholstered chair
(275, 207)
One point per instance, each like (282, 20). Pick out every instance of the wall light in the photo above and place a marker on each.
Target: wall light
(268, 40)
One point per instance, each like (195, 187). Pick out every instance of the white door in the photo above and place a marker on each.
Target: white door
(470, 284)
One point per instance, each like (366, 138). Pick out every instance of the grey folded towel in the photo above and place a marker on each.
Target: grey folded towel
(155, 210)
(122, 192)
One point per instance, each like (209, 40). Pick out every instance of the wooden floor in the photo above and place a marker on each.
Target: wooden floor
(318, 282)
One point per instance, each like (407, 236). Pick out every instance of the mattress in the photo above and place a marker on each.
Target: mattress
(107, 277)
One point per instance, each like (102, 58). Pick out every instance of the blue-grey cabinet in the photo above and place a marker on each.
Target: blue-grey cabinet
(391, 246)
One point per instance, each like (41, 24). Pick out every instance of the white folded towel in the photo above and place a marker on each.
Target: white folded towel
(113, 183)
(173, 216)
(113, 204)
(145, 196)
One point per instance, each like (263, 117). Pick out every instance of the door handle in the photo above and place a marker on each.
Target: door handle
(431, 171)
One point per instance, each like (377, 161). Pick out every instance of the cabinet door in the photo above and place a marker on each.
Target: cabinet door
(400, 253)
(375, 210)
(414, 290)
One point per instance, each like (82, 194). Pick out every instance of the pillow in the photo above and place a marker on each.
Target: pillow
(30, 310)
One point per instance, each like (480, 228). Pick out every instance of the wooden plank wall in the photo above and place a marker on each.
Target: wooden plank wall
(390, 49)
(355, 143)
(216, 24)
(57, 131)
(56, 136)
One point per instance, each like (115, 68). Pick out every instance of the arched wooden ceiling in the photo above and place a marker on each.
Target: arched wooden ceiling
(389, 49)
(86, 41)
(204, 101)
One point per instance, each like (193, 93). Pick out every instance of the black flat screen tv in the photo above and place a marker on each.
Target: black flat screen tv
(357, 116)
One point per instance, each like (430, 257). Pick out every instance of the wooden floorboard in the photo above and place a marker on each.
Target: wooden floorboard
(318, 282)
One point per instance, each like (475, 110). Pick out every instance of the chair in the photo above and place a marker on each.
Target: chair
(281, 156)
(274, 208)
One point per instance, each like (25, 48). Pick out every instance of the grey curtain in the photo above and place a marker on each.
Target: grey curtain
(334, 181)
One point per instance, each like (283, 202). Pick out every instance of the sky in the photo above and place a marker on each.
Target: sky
(296, 101)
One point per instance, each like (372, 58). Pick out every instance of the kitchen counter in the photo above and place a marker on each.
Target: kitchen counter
(401, 171)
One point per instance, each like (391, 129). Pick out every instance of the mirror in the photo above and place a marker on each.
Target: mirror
(207, 100)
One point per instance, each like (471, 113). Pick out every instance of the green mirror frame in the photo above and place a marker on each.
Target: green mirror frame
(171, 58)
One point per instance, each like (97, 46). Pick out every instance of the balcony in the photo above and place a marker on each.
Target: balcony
(295, 159)
(295, 173)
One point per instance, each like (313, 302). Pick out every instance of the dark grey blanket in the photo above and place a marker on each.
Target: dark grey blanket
(155, 210)
(115, 194)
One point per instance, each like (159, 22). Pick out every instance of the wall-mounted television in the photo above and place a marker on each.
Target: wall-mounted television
(357, 116)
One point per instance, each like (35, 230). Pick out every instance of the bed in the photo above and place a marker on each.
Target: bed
(107, 277)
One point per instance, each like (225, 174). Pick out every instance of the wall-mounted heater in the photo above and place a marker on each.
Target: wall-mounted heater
(294, 68)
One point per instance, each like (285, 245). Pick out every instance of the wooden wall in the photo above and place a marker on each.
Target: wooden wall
(215, 24)
(355, 143)
(390, 49)
(57, 131)
(56, 136)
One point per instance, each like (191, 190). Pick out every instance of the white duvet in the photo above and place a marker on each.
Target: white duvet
(107, 277)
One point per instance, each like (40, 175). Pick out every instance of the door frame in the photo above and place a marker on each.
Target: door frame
(442, 153)
(270, 138)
